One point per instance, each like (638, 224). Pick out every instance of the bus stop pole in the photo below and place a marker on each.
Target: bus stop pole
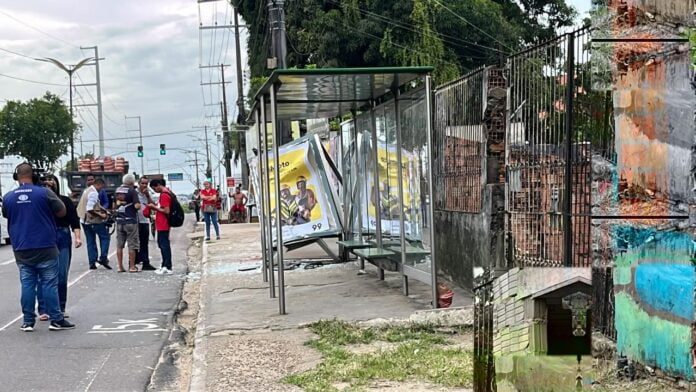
(376, 193)
(267, 198)
(429, 134)
(400, 181)
(279, 223)
(261, 207)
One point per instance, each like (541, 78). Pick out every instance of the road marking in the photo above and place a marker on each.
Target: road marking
(98, 371)
(8, 262)
(147, 325)
(70, 284)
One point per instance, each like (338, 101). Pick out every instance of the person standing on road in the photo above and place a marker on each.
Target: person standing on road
(127, 230)
(197, 204)
(103, 196)
(209, 197)
(30, 211)
(144, 225)
(162, 223)
(65, 224)
(93, 216)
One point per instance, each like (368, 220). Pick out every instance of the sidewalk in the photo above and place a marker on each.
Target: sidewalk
(242, 343)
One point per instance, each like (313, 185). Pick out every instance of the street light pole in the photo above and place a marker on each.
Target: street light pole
(69, 71)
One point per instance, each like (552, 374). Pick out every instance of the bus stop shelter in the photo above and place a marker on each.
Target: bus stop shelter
(385, 202)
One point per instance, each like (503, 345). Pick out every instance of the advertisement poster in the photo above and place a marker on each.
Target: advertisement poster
(389, 193)
(307, 207)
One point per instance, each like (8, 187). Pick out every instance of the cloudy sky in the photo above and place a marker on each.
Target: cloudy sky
(152, 52)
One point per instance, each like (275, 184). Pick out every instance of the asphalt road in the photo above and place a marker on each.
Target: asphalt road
(123, 321)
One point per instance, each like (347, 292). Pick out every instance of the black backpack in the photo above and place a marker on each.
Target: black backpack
(176, 213)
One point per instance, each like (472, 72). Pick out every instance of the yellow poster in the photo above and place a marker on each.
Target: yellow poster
(303, 201)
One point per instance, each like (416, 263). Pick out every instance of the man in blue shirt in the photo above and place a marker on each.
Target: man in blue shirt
(30, 211)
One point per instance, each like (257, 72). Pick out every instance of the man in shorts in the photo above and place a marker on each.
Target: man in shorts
(127, 205)
(239, 204)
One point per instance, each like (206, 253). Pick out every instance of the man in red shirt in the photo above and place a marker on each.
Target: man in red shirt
(162, 223)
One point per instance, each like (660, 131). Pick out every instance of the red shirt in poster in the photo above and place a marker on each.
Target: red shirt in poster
(208, 193)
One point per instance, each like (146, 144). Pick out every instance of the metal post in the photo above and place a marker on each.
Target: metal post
(140, 133)
(375, 183)
(99, 103)
(72, 134)
(567, 217)
(198, 178)
(225, 125)
(400, 180)
(267, 197)
(356, 176)
(279, 226)
(260, 208)
(429, 133)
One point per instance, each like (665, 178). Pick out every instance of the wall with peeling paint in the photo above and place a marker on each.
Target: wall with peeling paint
(654, 105)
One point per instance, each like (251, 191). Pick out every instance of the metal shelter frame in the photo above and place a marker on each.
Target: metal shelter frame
(301, 94)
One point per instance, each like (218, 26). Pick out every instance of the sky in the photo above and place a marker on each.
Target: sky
(152, 51)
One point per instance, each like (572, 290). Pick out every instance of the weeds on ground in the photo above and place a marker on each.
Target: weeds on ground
(420, 353)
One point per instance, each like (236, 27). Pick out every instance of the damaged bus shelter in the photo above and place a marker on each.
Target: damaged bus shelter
(382, 210)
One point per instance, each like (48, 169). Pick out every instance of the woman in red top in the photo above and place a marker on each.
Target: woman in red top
(209, 198)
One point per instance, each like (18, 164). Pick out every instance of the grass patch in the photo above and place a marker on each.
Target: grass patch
(420, 354)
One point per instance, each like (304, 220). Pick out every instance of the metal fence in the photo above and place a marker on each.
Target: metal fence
(603, 304)
(548, 154)
(460, 143)
(484, 365)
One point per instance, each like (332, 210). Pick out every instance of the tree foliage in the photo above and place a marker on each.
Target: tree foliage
(454, 36)
(38, 130)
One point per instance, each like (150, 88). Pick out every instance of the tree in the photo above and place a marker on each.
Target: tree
(39, 130)
(455, 36)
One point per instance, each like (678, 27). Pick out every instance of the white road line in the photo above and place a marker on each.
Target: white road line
(98, 371)
(70, 284)
(8, 262)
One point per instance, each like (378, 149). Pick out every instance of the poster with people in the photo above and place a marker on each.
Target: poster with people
(388, 186)
(306, 205)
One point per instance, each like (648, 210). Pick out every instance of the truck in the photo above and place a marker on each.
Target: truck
(110, 169)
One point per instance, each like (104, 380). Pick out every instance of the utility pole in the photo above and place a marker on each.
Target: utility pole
(99, 100)
(140, 135)
(208, 169)
(225, 125)
(279, 51)
(241, 115)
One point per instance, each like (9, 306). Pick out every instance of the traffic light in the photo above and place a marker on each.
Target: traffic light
(163, 149)
(140, 151)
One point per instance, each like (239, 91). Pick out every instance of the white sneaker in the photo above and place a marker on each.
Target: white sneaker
(167, 271)
(160, 271)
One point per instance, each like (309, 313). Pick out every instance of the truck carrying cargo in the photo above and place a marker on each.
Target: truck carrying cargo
(110, 169)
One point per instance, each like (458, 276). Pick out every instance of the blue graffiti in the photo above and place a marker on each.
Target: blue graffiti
(667, 287)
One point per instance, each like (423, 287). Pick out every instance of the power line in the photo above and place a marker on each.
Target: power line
(470, 24)
(148, 136)
(31, 81)
(94, 100)
(17, 53)
(38, 29)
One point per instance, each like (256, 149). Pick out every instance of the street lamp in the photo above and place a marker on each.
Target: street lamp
(70, 71)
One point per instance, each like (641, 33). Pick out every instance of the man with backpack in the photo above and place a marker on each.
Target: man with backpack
(127, 206)
(168, 214)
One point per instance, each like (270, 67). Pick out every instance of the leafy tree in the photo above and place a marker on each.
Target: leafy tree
(39, 130)
(455, 36)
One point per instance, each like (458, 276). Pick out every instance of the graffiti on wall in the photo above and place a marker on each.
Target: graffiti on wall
(654, 293)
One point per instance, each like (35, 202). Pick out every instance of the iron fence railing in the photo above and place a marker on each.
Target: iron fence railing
(548, 154)
(460, 143)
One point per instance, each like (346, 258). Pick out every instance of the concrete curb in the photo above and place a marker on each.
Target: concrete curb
(452, 317)
(198, 367)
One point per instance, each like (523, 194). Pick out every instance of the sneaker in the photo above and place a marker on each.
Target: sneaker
(207, 238)
(148, 267)
(217, 238)
(159, 271)
(26, 327)
(92, 266)
(61, 325)
(167, 271)
(105, 264)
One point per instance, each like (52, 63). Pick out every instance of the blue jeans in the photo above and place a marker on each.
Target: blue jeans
(166, 248)
(211, 217)
(45, 275)
(92, 231)
(64, 257)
